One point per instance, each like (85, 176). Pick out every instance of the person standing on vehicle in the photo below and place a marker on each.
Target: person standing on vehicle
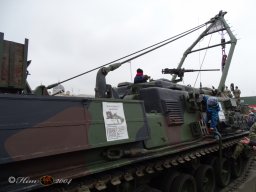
(227, 92)
(237, 93)
(140, 78)
(212, 110)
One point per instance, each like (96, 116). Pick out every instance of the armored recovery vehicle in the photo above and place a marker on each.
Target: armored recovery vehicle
(149, 136)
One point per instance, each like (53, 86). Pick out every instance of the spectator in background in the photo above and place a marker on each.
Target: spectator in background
(251, 119)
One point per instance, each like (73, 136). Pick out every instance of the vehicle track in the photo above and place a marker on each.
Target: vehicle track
(235, 185)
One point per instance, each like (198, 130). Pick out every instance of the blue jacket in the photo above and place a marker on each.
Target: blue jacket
(212, 110)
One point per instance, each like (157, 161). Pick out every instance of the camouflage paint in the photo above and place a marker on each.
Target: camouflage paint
(186, 134)
(42, 127)
(157, 127)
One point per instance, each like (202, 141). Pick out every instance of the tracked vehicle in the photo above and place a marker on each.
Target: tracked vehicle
(150, 136)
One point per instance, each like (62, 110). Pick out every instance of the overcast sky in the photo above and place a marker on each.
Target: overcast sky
(68, 37)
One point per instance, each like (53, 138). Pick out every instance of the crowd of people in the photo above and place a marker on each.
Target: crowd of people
(236, 92)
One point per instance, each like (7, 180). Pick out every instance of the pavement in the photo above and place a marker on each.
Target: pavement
(250, 184)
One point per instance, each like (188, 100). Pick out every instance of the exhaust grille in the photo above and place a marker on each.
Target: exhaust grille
(173, 111)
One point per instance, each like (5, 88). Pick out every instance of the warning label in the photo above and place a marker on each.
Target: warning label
(115, 123)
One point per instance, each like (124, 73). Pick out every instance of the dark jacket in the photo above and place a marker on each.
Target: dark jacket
(140, 79)
(252, 143)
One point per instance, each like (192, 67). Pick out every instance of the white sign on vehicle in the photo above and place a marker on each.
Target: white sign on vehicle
(115, 122)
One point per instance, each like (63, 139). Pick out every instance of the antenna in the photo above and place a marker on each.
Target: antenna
(130, 62)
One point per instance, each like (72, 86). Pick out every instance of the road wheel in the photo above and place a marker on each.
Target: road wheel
(223, 172)
(246, 153)
(184, 183)
(236, 167)
(167, 181)
(205, 178)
